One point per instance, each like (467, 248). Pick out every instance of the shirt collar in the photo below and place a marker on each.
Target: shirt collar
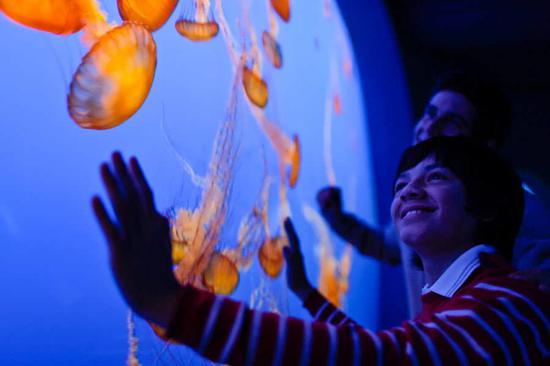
(458, 272)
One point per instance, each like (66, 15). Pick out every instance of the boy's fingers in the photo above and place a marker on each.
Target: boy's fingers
(123, 176)
(143, 186)
(291, 234)
(115, 196)
(107, 225)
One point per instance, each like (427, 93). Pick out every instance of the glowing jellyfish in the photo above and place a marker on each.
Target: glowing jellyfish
(271, 255)
(272, 50)
(196, 31)
(150, 13)
(337, 104)
(54, 16)
(114, 78)
(295, 161)
(201, 26)
(282, 7)
(255, 87)
(221, 276)
(334, 273)
(197, 232)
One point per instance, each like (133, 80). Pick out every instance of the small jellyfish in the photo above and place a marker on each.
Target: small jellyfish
(271, 256)
(54, 16)
(295, 161)
(197, 31)
(272, 50)
(150, 13)
(282, 7)
(114, 78)
(255, 87)
(221, 275)
(200, 26)
(337, 104)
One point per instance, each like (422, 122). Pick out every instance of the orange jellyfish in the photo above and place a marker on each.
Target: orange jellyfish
(221, 275)
(334, 273)
(295, 158)
(287, 150)
(197, 31)
(54, 16)
(255, 87)
(151, 13)
(200, 27)
(114, 78)
(337, 103)
(271, 256)
(272, 50)
(282, 7)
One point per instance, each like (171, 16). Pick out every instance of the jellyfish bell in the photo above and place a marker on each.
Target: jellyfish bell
(282, 7)
(221, 275)
(295, 159)
(197, 30)
(271, 256)
(152, 14)
(114, 78)
(54, 16)
(272, 50)
(255, 87)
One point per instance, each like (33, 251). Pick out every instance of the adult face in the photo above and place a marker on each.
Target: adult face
(428, 210)
(448, 113)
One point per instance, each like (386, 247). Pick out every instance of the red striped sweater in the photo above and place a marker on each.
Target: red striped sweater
(493, 319)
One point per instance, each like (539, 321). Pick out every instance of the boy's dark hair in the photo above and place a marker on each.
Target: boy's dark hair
(494, 194)
(493, 109)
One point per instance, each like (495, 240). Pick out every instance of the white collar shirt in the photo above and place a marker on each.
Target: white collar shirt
(458, 272)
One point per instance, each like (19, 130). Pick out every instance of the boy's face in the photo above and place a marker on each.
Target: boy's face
(428, 209)
(448, 113)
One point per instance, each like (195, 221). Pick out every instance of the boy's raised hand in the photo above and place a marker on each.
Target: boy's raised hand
(139, 241)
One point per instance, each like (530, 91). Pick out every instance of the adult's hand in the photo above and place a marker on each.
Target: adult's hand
(139, 241)
(330, 201)
(295, 271)
(344, 224)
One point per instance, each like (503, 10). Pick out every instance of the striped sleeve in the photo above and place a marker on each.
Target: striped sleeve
(490, 324)
(322, 310)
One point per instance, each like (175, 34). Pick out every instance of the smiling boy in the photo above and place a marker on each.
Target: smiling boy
(461, 218)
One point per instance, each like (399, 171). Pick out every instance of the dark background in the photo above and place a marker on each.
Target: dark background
(508, 39)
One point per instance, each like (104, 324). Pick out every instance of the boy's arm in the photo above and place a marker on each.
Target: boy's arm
(228, 331)
(315, 303)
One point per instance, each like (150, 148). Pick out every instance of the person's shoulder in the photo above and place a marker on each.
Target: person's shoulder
(496, 286)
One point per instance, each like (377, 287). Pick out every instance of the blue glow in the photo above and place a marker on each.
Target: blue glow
(59, 302)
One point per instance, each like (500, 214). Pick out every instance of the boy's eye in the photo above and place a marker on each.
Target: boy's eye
(398, 186)
(436, 176)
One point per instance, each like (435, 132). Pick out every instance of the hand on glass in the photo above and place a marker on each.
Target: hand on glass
(139, 241)
(330, 201)
(295, 271)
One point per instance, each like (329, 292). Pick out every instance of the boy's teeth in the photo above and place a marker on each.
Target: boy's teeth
(412, 212)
